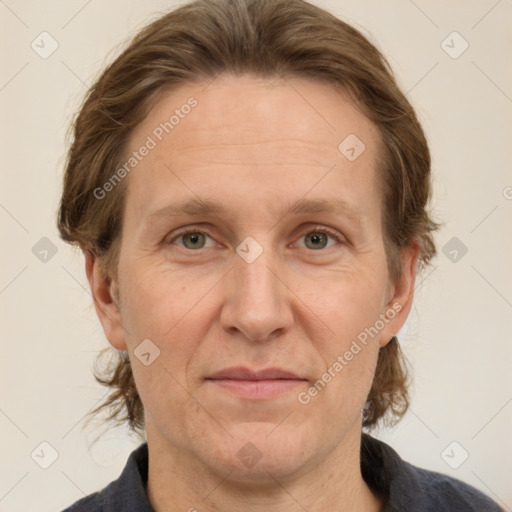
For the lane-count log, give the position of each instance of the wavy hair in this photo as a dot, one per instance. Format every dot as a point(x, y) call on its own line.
point(267, 38)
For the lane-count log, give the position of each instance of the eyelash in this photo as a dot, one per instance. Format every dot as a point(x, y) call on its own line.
point(316, 229)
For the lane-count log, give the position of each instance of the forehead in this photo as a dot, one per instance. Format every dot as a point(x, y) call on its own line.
point(254, 132)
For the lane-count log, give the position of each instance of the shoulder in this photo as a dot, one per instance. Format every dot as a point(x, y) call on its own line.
point(407, 487)
point(127, 493)
point(440, 493)
point(91, 503)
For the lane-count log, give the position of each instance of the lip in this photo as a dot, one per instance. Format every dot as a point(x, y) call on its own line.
point(242, 373)
point(256, 384)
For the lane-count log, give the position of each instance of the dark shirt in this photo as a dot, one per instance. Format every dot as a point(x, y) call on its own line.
point(404, 487)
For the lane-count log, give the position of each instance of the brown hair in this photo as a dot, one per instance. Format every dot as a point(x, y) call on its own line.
point(267, 38)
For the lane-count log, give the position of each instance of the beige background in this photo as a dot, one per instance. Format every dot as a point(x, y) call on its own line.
point(458, 336)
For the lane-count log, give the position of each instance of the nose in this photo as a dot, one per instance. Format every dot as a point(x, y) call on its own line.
point(257, 303)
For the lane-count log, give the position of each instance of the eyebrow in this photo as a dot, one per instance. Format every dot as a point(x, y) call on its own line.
point(197, 207)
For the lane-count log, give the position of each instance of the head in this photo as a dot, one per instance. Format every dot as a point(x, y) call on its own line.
point(276, 121)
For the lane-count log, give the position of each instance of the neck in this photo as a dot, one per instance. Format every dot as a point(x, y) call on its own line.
point(179, 481)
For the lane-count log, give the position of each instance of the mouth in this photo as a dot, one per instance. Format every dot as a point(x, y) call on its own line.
point(256, 385)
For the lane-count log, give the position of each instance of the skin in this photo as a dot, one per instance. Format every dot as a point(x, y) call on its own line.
point(256, 145)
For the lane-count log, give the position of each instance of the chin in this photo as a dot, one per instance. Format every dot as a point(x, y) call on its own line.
point(259, 452)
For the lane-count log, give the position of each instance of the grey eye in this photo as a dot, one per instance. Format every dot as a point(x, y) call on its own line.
point(194, 240)
point(316, 240)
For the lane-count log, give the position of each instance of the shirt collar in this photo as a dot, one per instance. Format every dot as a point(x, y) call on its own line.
point(381, 467)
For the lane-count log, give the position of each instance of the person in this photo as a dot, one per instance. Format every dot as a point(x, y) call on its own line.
point(250, 189)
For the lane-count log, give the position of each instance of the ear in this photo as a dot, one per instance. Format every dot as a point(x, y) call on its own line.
point(402, 293)
point(106, 300)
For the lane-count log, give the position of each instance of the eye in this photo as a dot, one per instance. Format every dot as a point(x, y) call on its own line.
point(319, 239)
point(193, 239)
point(316, 239)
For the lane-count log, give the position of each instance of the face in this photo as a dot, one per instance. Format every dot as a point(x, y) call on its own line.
point(252, 258)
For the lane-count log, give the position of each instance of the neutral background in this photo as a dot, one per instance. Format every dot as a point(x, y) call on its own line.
point(458, 337)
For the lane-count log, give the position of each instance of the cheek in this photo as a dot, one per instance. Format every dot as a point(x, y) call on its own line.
point(167, 401)
point(348, 359)
point(174, 311)
point(174, 314)
point(346, 303)
point(157, 302)
point(349, 308)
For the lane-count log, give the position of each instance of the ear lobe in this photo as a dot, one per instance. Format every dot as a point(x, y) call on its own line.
point(398, 308)
point(106, 302)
